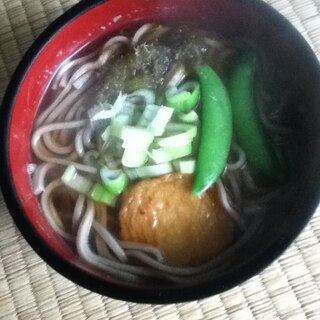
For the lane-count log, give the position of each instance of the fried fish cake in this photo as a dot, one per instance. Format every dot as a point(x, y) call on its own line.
point(189, 230)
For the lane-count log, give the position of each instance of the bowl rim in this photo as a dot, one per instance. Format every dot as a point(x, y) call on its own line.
point(71, 272)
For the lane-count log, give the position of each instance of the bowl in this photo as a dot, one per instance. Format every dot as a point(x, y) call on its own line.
point(89, 22)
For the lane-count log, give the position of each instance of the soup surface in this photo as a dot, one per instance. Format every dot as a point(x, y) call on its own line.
point(156, 153)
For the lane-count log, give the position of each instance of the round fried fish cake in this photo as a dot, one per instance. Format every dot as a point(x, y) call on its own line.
point(189, 230)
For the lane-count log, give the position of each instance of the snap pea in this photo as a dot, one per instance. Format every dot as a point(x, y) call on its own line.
point(247, 125)
point(216, 130)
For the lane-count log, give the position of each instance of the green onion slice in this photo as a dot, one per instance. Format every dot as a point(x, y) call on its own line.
point(119, 103)
point(72, 179)
point(118, 123)
point(148, 115)
point(167, 154)
point(114, 181)
point(189, 117)
point(176, 127)
point(147, 95)
point(100, 194)
point(159, 122)
point(179, 139)
point(105, 136)
point(183, 98)
point(136, 138)
point(149, 171)
point(186, 166)
point(133, 158)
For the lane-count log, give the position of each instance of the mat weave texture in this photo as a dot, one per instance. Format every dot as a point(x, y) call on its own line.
point(29, 289)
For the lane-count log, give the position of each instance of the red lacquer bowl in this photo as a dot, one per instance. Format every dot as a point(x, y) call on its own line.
point(91, 20)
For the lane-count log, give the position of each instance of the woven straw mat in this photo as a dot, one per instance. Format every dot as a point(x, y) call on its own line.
point(30, 289)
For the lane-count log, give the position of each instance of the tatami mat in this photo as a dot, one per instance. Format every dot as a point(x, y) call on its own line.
point(29, 289)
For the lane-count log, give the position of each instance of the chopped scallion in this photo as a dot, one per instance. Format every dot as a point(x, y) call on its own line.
point(186, 166)
point(161, 119)
point(175, 127)
point(133, 158)
point(119, 103)
point(113, 180)
point(184, 98)
point(147, 95)
point(105, 136)
point(72, 179)
point(136, 138)
point(149, 171)
point(167, 154)
point(118, 123)
point(175, 140)
point(190, 117)
point(148, 115)
point(100, 194)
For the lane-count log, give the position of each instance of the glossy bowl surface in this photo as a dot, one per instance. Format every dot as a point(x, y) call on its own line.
point(91, 21)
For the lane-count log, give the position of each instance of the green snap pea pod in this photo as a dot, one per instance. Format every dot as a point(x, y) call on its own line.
point(247, 124)
point(216, 130)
